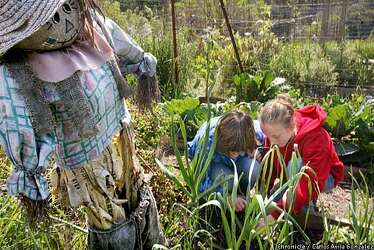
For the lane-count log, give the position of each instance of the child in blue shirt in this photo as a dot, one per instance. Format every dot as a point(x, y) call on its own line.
point(236, 141)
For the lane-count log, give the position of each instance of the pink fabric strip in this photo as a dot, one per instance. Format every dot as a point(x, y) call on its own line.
point(55, 66)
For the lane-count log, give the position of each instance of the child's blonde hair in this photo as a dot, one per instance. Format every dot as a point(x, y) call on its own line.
point(279, 110)
point(236, 133)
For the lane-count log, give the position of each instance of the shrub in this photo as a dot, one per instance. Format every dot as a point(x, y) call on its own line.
point(255, 54)
point(154, 36)
point(352, 61)
point(304, 63)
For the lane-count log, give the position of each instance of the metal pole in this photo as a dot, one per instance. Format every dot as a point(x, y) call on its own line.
point(175, 47)
point(231, 36)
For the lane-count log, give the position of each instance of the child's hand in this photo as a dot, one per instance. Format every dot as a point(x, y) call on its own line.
point(275, 187)
point(261, 222)
point(253, 154)
point(240, 204)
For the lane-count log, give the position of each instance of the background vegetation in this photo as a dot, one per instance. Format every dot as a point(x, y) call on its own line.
point(310, 71)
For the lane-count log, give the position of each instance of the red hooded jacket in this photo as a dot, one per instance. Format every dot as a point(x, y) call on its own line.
point(317, 151)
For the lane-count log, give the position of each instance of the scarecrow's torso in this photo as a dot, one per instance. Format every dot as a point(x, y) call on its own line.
point(30, 152)
point(71, 151)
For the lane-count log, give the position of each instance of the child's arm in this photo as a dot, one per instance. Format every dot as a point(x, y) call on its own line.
point(316, 155)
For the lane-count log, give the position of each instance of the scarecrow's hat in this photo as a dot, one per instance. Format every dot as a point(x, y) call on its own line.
point(21, 18)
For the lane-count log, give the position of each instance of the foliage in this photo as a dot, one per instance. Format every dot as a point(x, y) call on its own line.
point(366, 136)
point(260, 87)
point(255, 53)
point(207, 63)
point(304, 63)
point(154, 36)
point(192, 113)
point(349, 119)
point(148, 129)
point(191, 175)
point(187, 222)
point(251, 108)
point(16, 232)
point(192, 172)
point(244, 230)
point(195, 114)
point(361, 218)
point(352, 61)
point(180, 106)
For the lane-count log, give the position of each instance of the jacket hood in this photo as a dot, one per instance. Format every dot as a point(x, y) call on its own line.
point(309, 118)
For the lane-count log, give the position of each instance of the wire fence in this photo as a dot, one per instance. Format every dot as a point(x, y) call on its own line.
point(322, 20)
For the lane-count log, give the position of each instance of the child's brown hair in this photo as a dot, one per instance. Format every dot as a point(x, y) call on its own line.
point(236, 133)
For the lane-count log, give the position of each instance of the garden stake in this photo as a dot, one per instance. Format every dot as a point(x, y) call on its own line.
point(231, 36)
point(175, 49)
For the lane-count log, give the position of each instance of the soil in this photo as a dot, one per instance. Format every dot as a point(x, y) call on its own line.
point(337, 202)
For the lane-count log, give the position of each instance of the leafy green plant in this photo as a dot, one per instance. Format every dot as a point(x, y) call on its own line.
point(362, 219)
point(348, 119)
point(193, 113)
point(255, 52)
point(365, 126)
point(189, 218)
point(206, 62)
point(366, 136)
point(190, 176)
point(192, 172)
point(260, 87)
point(251, 108)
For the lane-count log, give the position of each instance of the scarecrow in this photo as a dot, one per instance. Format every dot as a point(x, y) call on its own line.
point(61, 101)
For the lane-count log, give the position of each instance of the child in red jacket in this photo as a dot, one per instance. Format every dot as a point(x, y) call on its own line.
point(285, 126)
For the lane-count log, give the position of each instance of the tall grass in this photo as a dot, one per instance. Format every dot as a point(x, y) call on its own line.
point(153, 34)
point(63, 230)
point(238, 230)
point(192, 172)
point(244, 230)
point(16, 233)
point(361, 214)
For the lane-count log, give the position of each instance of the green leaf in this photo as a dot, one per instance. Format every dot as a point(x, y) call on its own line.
point(337, 121)
point(171, 176)
point(237, 80)
point(369, 147)
point(179, 106)
point(366, 135)
point(343, 149)
point(267, 80)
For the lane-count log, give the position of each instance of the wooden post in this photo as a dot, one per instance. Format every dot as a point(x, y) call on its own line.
point(341, 27)
point(325, 22)
point(231, 36)
point(175, 47)
point(294, 16)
